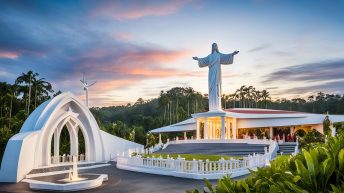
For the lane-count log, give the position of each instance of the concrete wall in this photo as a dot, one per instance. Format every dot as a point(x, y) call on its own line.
point(114, 146)
point(18, 159)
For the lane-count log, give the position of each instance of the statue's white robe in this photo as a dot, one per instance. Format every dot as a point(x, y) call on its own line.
point(214, 61)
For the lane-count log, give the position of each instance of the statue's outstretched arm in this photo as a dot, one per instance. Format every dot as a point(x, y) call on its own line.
point(202, 62)
point(227, 58)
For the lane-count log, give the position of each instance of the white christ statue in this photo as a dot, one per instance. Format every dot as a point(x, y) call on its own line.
point(214, 61)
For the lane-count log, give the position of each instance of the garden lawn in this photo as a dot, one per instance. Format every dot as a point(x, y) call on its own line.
point(195, 156)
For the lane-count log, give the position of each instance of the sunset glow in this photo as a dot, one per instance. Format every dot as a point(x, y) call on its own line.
point(136, 49)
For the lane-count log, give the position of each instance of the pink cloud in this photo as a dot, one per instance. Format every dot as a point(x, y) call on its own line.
point(148, 63)
point(9, 55)
point(123, 36)
point(139, 9)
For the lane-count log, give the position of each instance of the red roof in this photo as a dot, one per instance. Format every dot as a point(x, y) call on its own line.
point(259, 111)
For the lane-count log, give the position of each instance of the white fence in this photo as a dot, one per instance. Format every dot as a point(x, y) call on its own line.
point(196, 169)
point(65, 158)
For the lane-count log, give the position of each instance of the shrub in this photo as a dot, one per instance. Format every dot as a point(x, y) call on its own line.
point(319, 169)
point(311, 138)
point(300, 133)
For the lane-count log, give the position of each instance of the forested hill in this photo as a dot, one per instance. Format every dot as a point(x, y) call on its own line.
point(134, 121)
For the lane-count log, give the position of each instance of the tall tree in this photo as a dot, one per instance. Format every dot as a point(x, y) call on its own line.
point(265, 96)
point(27, 79)
point(42, 89)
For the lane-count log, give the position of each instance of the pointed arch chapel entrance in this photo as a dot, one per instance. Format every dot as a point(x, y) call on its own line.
point(71, 117)
point(38, 143)
point(73, 133)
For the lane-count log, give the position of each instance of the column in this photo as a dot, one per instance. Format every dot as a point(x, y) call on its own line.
point(198, 134)
point(291, 130)
point(210, 130)
point(223, 128)
point(160, 141)
point(206, 129)
point(185, 137)
point(234, 124)
point(228, 129)
point(214, 130)
point(56, 143)
point(271, 132)
point(76, 144)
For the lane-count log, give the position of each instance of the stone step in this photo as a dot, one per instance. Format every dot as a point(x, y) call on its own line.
point(61, 167)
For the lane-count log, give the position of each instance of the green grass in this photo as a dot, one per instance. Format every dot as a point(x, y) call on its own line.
point(194, 156)
point(285, 156)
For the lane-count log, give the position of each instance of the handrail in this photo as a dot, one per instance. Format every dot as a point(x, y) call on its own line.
point(195, 166)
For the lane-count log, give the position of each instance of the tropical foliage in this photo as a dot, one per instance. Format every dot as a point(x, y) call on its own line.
point(170, 107)
point(18, 100)
point(133, 121)
point(311, 138)
point(179, 103)
point(318, 170)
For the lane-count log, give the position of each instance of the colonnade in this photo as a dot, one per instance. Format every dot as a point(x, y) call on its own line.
point(224, 128)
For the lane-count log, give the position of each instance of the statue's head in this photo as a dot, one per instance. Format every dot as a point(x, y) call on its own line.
point(214, 48)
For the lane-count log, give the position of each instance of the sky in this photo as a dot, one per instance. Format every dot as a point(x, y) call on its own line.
point(135, 49)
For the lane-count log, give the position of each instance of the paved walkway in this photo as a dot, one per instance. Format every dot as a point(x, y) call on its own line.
point(121, 181)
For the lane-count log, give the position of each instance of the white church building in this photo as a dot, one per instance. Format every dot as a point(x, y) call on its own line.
point(238, 123)
point(32, 148)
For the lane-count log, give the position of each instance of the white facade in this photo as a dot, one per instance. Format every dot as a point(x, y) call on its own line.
point(31, 147)
point(225, 124)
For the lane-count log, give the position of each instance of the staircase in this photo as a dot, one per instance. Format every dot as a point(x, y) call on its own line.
point(229, 149)
point(287, 148)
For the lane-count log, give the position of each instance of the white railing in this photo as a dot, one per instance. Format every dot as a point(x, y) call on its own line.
point(153, 149)
point(65, 158)
point(273, 145)
point(197, 169)
point(296, 149)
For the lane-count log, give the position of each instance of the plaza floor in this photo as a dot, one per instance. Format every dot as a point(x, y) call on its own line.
point(121, 181)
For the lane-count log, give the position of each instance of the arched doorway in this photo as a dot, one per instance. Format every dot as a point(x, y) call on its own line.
point(68, 139)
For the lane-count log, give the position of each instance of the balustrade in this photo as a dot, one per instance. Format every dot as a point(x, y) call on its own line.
point(194, 166)
point(66, 158)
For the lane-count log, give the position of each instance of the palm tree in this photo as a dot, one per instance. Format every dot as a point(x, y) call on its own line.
point(249, 95)
point(11, 95)
point(241, 92)
point(27, 78)
point(265, 96)
point(163, 102)
point(225, 99)
point(189, 97)
point(257, 97)
point(42, 87)
point(233, 98)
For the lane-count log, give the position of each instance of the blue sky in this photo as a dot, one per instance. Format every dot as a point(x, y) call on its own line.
point(137, 48)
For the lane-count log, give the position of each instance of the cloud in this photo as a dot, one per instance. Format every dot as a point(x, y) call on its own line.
point(272, 88)
point(329, 87)
point(130, 10)
point(131, 62)
point(15, 40)
point(123, 36)
point(8, 55)
point(310, 72)
point(260, 48)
